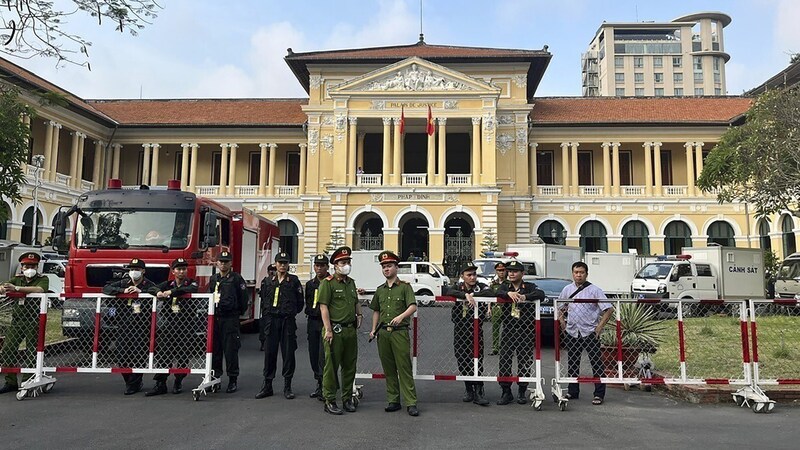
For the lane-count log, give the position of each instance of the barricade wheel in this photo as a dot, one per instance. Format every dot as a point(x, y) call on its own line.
point(360, 393)
point(770, 407)
point(758, 407)
point(48, 387)
point(215, 388)
point(537, 405)
point(738, 399)
point(355, 400)
point(195, 395)
point(21, 394)
point(562, 406)
point(555, 398)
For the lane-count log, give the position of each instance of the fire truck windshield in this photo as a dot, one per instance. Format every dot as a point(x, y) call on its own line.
point(123, 229)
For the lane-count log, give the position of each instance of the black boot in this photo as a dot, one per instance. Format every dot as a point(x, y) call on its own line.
point(523, 395)
point(331, 408)
point(158, 389)
point(8, 388)
point(266, 389)
point(177, 386)
point(506, 397)
point(232, 385)
point(287, 389)
point(349, 406)
point(318, 392)
point(479, 398)
point(469, 393)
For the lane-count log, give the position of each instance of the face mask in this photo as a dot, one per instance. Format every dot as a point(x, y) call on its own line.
point(29, 273)
point(344, 270)
point(135, 274)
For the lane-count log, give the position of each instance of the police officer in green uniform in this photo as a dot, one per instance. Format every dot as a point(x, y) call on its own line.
point(131, 319)
point(497, 310)
point(24, 317)
point(341, 317)
point(230, 298)
point(281, 300)
point(314, 326)
point(519, 330)
point(176, 328)
point(392, 306)
point(462, 316)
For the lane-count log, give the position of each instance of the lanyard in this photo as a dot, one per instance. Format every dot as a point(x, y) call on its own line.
point(275, 300)
point(316, 297)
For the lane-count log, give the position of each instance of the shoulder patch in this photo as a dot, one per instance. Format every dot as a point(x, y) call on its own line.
point(329, 277)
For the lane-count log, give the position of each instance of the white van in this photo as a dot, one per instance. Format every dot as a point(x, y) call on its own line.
point(787, 281)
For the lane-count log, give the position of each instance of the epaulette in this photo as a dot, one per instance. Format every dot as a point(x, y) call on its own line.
point(329, 278)
point(399, 281)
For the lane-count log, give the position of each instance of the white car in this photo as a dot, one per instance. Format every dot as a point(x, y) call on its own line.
point(427, 279)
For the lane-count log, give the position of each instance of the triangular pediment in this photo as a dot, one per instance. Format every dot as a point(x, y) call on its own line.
point(413, 75)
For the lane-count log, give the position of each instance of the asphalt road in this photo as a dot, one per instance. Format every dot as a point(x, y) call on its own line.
point(89, 411)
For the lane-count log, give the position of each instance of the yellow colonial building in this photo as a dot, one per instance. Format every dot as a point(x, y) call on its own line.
point(356, 155)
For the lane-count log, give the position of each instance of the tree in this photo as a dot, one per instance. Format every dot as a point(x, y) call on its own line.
point(489, 243)
point(33, 28)
point(336, 241)
point(758, 162)
point(14, 137)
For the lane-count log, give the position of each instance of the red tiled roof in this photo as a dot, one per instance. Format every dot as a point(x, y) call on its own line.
point(633, 110)
point(37, 82)
point(205, 112)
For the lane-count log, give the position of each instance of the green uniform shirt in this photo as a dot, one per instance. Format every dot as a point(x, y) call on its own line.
point(39, 280)
point(392, 301)
point(340, 297)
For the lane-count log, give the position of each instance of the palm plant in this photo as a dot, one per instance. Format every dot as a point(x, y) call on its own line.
point(640, 328)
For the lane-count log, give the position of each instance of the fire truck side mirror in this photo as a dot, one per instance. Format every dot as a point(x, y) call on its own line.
point(59, 233)
point(210, 238)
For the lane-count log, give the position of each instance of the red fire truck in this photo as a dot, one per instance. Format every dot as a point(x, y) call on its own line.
point(109, 227)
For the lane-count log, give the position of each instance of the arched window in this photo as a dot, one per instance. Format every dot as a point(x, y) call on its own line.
point(27, 226)
point(763, 235)
point(787, 229)
point(721, 232)
point(676, 236)
point(5, 217)
point(552, 232)
point(593, 237)
point(635, 235)
point(288, 239)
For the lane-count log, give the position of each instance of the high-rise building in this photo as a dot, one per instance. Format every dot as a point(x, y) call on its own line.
point(685, 57)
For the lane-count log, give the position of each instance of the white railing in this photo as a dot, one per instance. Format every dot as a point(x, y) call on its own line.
point(591, 191)
point(712, 191)
point(86, 185)
point(368, 179)
point(631, 191)
point(287, 191)
point(675, 191)
point(246, 191)
point(31, 171)
point(459, 179)
point(414, 179)
point(207, 191)
point(62, 179)
point(550, 191)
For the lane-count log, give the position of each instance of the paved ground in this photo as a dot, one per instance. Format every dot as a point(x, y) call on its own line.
point(89, 411)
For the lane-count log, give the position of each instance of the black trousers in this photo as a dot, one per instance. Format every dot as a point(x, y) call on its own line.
point(226, 343)
point(316, 354)
point(516, 340)
point(132, 339)
point(174, 342)
point(575, 348)
point(463, 349)
point(281, 333)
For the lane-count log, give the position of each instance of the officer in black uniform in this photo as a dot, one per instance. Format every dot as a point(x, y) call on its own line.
point(281, 300)
point(176, 327)
point(230, 297)
point(519, 329)
point(131, 320)
point(316, 354)
point(271, 271)
point(462, 316)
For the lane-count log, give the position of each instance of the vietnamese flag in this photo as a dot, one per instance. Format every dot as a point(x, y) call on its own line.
point(402, 121)
point(430, 127)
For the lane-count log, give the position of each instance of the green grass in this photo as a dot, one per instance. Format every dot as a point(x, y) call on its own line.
point(52, 332)
point(714, 348)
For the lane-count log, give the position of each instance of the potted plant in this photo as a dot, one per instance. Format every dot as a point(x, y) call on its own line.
point(642, 332)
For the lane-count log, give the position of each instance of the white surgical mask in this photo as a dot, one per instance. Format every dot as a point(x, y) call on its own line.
point(29, 273)
point(135, 274)
point(344, 270)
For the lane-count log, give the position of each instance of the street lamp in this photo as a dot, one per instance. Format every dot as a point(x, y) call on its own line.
point(559, 237)
point(38, 161)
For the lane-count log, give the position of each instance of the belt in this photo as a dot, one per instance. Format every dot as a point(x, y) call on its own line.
point(391, 328)
point(337, 327)
point(314, 317)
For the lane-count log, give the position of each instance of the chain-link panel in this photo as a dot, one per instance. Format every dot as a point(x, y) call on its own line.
point(517, 343)
point(368, 363)
point(582, 353)
point(19, 329)
point(443, 342)
point(776, 335)
point(75, 325)
point(180, 337)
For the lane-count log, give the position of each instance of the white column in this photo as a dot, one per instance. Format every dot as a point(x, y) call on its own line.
point(48, 148)
point(303, 163)
point(154, 170)
point(81, 145)
point(387, 149)
point(145, 165)
point(442, 151)
point(272, 158)
point(397, 153)
point(262, 175)
point(232, 170)
point(689, 169)
point(115, 161)
point(476, 151)
point(574, 165)
point(54, 152)
point(185, 166)
point(360, 152)
point(533, 177)
point(615, 167)
point(193, 169)
point(73, 160)
point(648, 169)
point(351, 150)
point(698, 153)
point(657, 158)
point(223, 170)
point(98, 161)
point(606, 169)
point(565, 184)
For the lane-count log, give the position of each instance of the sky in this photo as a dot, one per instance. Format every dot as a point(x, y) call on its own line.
point(235, 48)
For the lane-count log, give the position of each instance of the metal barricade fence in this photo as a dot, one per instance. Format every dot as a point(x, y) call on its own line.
point(126, 334)
point(449, 342)
point(654, 341)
